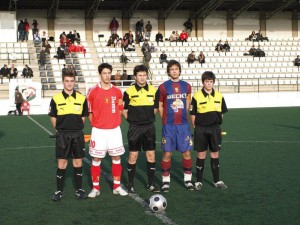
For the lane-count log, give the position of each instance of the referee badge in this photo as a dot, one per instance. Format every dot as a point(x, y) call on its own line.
point(163, 141)
point(77, 107)
point(150, 99)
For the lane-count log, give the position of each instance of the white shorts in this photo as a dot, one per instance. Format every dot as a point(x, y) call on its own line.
point(106, 140)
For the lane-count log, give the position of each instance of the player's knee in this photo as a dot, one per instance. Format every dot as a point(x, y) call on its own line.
point(214, 155)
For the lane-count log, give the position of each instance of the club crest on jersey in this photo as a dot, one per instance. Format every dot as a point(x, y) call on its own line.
point(177, 104)
point(106, 99)
point(163, 141)
point(176, 89)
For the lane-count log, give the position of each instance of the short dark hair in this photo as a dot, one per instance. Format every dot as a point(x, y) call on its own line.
point(104, 66)
point(208, 75)
point(68, 74)
point(172, 63)
point(140, 68)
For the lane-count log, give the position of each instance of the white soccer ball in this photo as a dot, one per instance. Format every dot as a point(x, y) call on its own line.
point(157, 203)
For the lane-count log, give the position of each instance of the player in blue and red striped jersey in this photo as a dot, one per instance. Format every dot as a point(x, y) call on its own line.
point(174, 102)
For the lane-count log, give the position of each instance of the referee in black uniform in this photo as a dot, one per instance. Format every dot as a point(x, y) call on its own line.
point(67, 112)
point(140, 106)
point(207, 109)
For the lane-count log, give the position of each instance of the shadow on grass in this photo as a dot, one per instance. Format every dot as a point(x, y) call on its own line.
point(287, 126)
point(2, 134)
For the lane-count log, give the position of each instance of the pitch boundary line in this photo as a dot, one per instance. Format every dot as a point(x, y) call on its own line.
point(160, 216)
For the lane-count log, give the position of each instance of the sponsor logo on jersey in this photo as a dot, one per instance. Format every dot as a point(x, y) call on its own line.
point(176, 96)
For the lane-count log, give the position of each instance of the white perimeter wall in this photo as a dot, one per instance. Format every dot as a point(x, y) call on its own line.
point(8, 27)
point(279, 26)
point(68, 21)
point(245, 24)
point(215, 25)
point(175, 22)
point(34, 14)
point(101, 24)
point(237, 100)
point(146, 16)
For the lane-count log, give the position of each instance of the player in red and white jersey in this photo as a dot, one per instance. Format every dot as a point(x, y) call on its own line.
point(105, 107)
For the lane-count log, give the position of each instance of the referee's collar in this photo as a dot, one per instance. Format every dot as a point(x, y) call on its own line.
point(206, 94)
point(66, 95)
point(137, 87)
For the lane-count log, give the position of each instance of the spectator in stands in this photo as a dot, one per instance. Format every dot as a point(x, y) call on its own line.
point(252, 51)
point(219, 46)
point(124, 43)
point(44, 37)
point(130, 47)
point(124, 75)
point(72, 70)
point(260, 37)
point(64, 70)
point(152, 48)
point(47, 47)
point(27, 72)
point(201, 58)
point(26, 29)
point(124, 58)
point(13, 72)
point(4, 72)
point(139, 26)
point(36, 38)
point(117, 78)
point(139, 37)
point(259, 52)
point(110, 42)
point(148, 28)
point(76, 36)
point(159, 37)
point(62, 34)
point(226, 46)
point(64, 41)
point(43, 56)
point(114, 37)
point(191, 58)
point(188, 26)
point(35, 27)
point(129, 35)
point(118, 42)
point(60, 54)
point(71, 36)
point(173, 36)
point(130, 41)
point(183, 36)
point(114, 25)
point(147, 58)
point(146, 46)
point(252, 36)
point(163, 58)
point(297, 61)
point(21, 30)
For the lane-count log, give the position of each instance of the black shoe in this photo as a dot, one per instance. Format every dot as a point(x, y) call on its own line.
point(130, 190)
point(152, 188)
point(57, 196)
point(80, 194)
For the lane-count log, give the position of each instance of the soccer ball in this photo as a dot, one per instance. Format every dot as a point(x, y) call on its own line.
point(157, 203)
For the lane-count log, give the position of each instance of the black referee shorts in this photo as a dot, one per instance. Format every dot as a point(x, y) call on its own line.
point(70, 144)
point(207, 138)
point(141, 137)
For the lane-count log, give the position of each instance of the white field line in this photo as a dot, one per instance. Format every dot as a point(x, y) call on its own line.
point(160, 216)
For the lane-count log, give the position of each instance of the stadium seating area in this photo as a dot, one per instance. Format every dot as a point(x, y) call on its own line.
point(235, 72)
